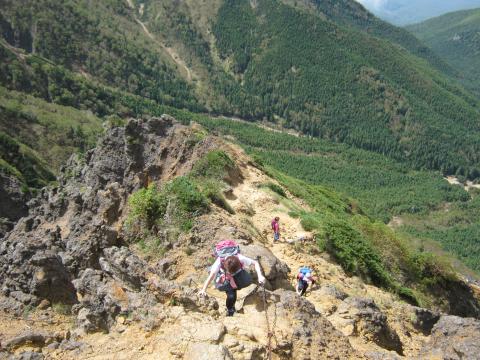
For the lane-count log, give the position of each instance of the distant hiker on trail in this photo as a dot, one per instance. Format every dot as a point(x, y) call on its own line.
point(304, 278)
point(229, 272)
point(276, 229)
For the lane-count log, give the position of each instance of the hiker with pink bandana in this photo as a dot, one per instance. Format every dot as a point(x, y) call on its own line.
point(229, 272)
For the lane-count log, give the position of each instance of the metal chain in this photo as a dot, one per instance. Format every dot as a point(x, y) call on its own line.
point(270, 331)
point(274, 326)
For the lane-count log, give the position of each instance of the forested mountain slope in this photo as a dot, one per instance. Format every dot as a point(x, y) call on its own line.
point(456, 38)
point(98, 39)
point(308, 70)
point(339, 83)
point(350, 13)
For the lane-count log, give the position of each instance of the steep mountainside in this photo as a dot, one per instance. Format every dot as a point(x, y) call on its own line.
point(456, 38)
point(351, 13)
point(36, 139)
point(338, 83)
point(100, 40)
point(108, 264)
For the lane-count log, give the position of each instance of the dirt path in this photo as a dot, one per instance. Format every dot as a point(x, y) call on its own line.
point(170, 51)
point(297, 247)
point(253, 198)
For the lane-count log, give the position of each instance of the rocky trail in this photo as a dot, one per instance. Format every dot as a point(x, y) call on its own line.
point(69, 255)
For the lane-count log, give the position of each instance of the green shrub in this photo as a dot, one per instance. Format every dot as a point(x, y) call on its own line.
point(152, 246)
point(355, 254)
point(257, 161)
point(294, 214)
point(310, 221)
point(215, 165)
point(186, 196)
point(321, 243)
point(408, 295)
point(147, 206)
point(209, 173)
point(157, 217)
point(212, 189)
point(62, 309)
point(430, 270)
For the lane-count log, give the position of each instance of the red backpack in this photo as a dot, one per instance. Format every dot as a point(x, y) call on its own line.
point(222, 250)
point(226, 248)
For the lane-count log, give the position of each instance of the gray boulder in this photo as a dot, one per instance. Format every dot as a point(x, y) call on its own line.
point(275, 271)
point(313, 336)
point(454, 338)
point(362, 317)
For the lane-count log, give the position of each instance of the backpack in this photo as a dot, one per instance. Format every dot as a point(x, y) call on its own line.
point(225, 281)
point(226, 248)
point(304, 270)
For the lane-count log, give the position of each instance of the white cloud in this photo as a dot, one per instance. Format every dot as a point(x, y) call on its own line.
point(374, 4)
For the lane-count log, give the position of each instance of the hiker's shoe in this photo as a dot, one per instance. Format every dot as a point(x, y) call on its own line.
point(230, 312)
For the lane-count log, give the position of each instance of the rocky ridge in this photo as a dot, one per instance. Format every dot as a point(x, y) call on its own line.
point(71, 251)
point(13, 205)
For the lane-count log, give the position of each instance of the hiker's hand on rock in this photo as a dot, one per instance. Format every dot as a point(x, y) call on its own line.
point(202, 293)
point(261, 280)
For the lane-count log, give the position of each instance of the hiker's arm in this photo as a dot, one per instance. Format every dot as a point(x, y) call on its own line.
point(213, 272)
point(261, 278)
point(207, 282)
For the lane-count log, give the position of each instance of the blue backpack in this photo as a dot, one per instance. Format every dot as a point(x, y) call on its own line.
point(303, 271)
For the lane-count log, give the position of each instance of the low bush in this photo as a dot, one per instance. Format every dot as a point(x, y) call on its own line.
point(147, 206)
point(355, 253)
point(212, 189)
point(214, 165)
point(158, 216)
point(186, 196)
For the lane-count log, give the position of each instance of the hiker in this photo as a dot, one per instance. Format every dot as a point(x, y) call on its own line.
point(304, 278)
point(276, 229)
point(229, 272)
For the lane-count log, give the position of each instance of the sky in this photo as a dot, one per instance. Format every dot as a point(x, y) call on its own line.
point(403, 12)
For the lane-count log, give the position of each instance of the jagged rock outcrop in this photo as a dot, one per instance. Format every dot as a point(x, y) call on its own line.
point(462, 300)
point(13, 204)
point(69, 249)
point(425, 319)
point(313, 336)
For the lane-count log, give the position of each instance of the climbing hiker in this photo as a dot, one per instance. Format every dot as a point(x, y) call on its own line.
point(304, 279)
point(229, 272)
point(276, 229)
